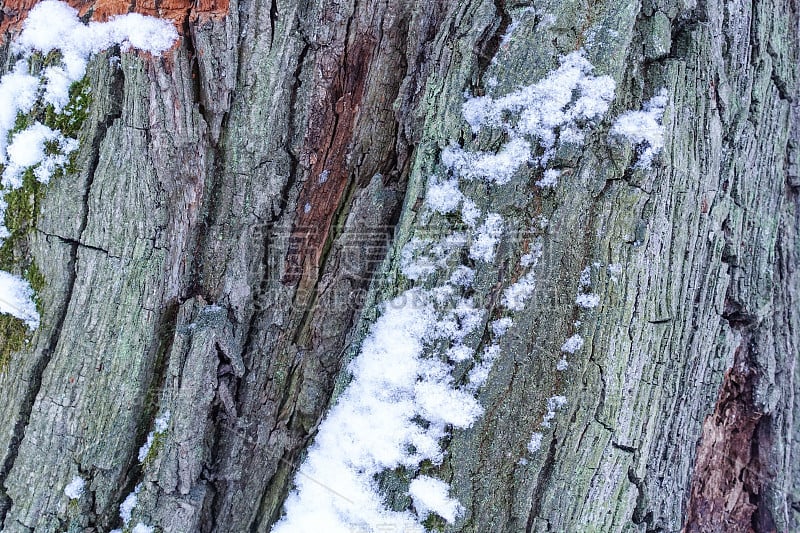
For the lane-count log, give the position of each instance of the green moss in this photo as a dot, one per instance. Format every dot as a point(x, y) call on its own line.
point(24, 204)
point(20, 123)
point(13, 333)
point(427, 468)
point(155, 448)
point(70, 120)
point(23, 208)
point(38, 61)
point(21, 214)
point(37, 281)
point(434, 522)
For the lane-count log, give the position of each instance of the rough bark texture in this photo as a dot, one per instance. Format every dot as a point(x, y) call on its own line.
point(236, 217)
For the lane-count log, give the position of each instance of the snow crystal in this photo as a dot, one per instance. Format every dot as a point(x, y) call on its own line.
point(160, 427)
point(52, 161)
point(535, 443)
point(470, 213)
point(462, 276)
point(546, 107)
point(554, 403)
point(550, 178)
point(506, 39)
point(480, 372)
point(420, 258)
point(488, 235)
point(126, 508)
point(573, 344)
point(430, 495)
point(501, 325)
point(460, 353)
point(444, 196)
point(643, 128)
point(515, 296)
point(497, 168)
point(460, 321)
point(587, 301)
point(586, 277)
point(16, 299)
point(75, 488)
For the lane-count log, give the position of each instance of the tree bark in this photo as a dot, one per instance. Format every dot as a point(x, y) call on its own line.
point(236, 215)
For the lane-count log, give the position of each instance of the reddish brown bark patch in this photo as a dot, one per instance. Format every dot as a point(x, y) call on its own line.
point(727, 478)
point(13, 12)
point(331, 129)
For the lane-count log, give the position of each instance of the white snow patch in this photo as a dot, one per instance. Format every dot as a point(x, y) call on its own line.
point(430, 495)
point(535, 443)
point(27, 149)
point(160, 427)
point(554, 404)
point(462, 276)
point(643, 128)
point(497, 168)
point(142, 528)
point(470, 213)
point(480, 372)
point(486, 239)
point(550, 178)
point(563, 103)
point(501, 325)
point(54, 25)
point(572, 344)
point(587, 301)
point(126, 508)
point(421, 257)
point(515, 296)
point(444, 196)
point(460, 352)
point(586, 277)
point(372, 427)
point(74, 489)
point(16, 299)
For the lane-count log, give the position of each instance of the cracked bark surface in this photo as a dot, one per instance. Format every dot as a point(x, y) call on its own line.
point(220, 251)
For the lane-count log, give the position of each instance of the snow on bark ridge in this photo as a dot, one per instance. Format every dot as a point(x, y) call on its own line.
point(403, 400)
point(559, 108)
point(16, 298)
point(75, 488)
point(53, 25)
point(643, 128)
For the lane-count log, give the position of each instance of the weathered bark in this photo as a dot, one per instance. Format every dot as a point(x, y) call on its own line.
point(219, 253)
